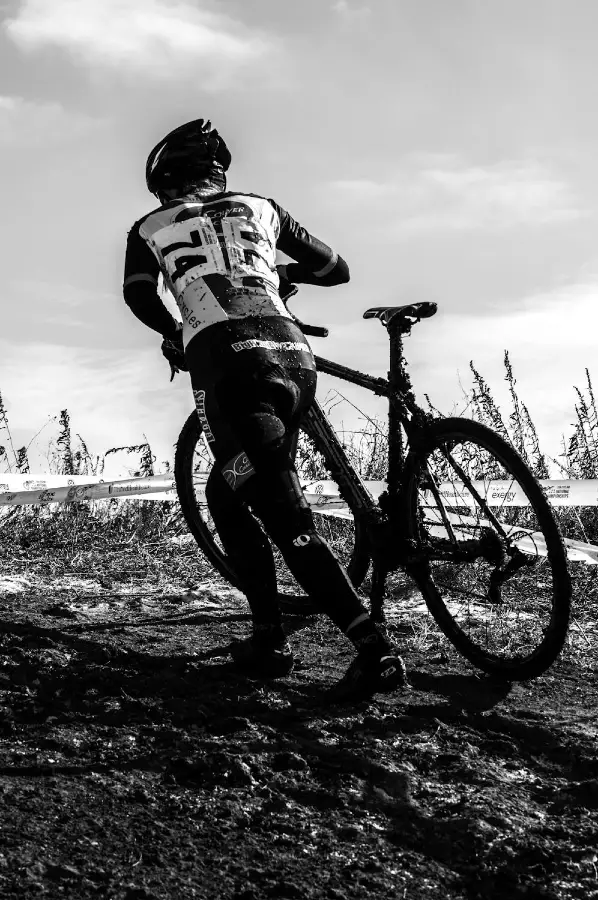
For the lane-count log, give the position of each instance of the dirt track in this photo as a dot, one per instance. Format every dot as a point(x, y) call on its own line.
point(136, 763)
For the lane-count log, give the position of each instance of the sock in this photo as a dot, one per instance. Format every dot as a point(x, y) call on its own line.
point(366, 638)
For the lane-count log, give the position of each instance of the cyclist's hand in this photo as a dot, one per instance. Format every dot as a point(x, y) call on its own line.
point(286, 289)
point(172, 349)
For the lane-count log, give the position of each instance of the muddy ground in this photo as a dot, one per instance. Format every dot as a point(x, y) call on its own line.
point(136, 763)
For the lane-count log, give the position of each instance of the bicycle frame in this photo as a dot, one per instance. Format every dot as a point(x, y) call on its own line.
point(403, 414)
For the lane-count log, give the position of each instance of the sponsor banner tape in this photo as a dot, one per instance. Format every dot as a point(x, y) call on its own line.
point(573, 492)
point(324, 499)
point(43, 489)
point(322, 496)
point(528, 541)
point(16, 489)
point(33, 489)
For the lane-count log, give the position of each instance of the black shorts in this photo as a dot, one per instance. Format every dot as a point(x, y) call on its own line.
point(252, 383)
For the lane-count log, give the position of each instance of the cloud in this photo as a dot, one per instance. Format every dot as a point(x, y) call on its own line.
point(458, 197)
point(351, 14)
point(161, 38)
point(26, 123)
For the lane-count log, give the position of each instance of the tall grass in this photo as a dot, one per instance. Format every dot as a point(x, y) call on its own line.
point(68, 454)
point(66, 526)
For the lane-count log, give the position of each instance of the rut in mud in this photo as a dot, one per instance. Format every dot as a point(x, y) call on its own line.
point(136, 763)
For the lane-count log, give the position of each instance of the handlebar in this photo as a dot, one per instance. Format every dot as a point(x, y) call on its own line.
point(312, 330)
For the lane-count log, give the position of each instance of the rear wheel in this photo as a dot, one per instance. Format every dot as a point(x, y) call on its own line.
point(494, 569)
point(192, 465)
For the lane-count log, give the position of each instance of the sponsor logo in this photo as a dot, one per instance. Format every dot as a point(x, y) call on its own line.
point(71, 493)
point(128, 488)
point(255, 344)
point(302, 540)
point(10, 496)
point(219, 214)
point(46, 496)
point(200, 406)
point(34, 485)
point(187, 313)
point(368, 639)
point(330, 502)
point(224, 208)
point(561, 491)
point(507, 496)
point(4, 487)
point(237, 471)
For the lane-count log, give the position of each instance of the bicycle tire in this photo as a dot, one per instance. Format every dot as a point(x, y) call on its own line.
point(190, 438)
point(544, 619)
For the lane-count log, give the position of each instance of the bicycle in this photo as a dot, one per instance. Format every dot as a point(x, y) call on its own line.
point(493, 574)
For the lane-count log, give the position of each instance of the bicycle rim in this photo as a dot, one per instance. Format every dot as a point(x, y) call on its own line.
point(193, 463)
point(495, 574)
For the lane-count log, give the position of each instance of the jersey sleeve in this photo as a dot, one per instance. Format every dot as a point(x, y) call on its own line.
point(140, 287)
point(140, 262)
point(315, 261)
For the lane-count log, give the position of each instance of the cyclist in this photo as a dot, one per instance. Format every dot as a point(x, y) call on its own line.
point(253, 376)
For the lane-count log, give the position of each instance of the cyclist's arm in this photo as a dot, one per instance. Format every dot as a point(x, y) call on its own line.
point(140, 287)
point(316, 262)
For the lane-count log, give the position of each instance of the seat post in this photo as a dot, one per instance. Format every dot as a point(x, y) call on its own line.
point(398, 321)
point(398, 382)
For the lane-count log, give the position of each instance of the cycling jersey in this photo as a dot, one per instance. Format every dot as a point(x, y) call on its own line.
point(218, 258)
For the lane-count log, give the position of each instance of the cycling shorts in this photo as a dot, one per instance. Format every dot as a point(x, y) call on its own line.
point(252, 382)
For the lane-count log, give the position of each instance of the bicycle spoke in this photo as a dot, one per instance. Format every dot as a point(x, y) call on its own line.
point(495, 569)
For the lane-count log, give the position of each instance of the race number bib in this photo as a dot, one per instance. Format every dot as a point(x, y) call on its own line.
point(203, 245)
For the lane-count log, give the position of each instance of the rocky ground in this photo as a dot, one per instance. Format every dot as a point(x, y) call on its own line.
point(136, 763)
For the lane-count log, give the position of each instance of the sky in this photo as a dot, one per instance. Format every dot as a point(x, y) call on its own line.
point(446, 150)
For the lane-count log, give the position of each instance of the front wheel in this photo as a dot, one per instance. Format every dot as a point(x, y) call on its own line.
point(493, 568)
point(346, 536)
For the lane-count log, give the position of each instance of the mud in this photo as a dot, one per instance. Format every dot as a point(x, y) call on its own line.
point(135, 762)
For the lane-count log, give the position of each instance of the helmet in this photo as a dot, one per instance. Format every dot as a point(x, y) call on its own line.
point(192, 152)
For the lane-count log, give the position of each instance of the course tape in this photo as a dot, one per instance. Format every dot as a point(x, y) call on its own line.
point(25, 490)
point(17, 489)
point(573, 492)
point(528, 541)
point(322, 496)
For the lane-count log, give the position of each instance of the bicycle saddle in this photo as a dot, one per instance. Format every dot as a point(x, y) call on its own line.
point(388, 314)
